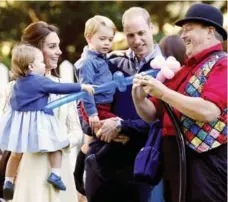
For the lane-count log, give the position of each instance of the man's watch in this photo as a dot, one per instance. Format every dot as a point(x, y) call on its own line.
point(118, 128)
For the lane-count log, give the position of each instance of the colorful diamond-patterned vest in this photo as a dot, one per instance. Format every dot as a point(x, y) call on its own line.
point(201, 136)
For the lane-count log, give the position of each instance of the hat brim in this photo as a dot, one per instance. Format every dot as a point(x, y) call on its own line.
point(218, 27)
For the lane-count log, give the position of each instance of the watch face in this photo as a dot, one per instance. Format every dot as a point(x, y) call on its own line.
point(118, 128)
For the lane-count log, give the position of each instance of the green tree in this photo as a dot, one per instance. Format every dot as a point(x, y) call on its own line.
point(70, 18)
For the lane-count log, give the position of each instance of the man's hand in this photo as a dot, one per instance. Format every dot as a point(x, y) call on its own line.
point(108, 131)
point(116, 53)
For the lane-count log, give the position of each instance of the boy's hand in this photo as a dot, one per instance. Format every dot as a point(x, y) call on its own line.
point(94, 123)
point(89, 88)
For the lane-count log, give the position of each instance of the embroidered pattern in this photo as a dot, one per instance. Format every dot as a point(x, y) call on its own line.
point(201, 136)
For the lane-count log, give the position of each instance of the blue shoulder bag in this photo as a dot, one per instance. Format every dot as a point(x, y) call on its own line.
point(147, 167)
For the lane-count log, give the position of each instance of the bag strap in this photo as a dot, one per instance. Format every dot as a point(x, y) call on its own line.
point(154, 135)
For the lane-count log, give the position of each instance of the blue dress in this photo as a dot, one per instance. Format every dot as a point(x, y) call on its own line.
point(26, 127)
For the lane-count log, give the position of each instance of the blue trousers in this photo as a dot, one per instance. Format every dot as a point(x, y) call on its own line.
point(157, 193)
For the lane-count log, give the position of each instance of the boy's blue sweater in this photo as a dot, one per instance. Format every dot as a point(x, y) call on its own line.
point(92, 68)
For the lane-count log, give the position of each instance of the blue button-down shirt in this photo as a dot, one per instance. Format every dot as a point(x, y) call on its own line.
point(92, 68)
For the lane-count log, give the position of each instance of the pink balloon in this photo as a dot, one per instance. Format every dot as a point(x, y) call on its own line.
point(168, 73)
point(157, 62)
point(173, 64)
point(160, 77)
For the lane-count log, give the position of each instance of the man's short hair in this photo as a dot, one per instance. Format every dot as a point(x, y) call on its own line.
point(137, 11)
point(93, 24)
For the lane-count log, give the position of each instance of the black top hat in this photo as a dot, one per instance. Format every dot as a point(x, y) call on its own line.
point(205, 14)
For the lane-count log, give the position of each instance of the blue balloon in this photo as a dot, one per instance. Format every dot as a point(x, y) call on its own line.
point(119, 81)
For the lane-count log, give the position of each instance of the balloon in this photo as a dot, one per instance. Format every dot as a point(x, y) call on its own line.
point(119, 81)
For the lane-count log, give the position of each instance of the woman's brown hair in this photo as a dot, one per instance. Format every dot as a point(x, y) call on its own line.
point(35, 33)
point(174, 46)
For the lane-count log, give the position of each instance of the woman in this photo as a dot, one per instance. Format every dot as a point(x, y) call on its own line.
point(32, 174)
point(173, 45)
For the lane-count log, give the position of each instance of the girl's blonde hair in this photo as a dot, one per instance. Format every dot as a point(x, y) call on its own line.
point(22, 56)
point(93, 24)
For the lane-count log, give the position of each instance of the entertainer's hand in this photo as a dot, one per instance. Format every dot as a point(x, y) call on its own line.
point(88, 88)
point(108, 131)
point(153, 87)
point(138, 92)
point(94, 123)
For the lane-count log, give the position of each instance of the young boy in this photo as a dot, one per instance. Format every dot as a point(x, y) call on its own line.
point(92, 68)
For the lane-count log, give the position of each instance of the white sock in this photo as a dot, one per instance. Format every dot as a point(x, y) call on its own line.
point(11, 179)
point(56, 171)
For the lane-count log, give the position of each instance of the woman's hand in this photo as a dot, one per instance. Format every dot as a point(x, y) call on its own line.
point(108, 131)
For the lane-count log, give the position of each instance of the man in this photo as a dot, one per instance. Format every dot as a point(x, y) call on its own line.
point(117, 167)
point(198, 94)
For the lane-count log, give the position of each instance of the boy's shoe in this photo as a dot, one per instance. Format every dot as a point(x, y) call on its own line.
point(8, 190)
point(56, 181)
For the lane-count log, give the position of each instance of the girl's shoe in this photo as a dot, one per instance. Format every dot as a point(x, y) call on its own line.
point(56, 181)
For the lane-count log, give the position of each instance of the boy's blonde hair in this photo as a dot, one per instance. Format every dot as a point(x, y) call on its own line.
point(22, 56)
point(93, 24)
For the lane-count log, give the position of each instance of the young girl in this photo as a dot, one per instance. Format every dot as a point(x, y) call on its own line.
point(27, 128)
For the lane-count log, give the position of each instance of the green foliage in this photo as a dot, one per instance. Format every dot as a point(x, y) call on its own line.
point(70, 18)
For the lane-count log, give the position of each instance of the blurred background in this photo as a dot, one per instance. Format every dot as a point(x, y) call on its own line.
point(70, 17)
